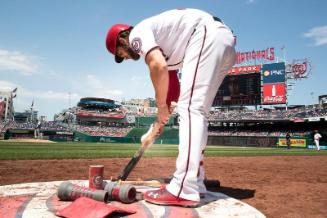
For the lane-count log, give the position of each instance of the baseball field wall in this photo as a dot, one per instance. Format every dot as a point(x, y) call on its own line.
point(147, 121)
point(53, 135)
point(258, 141)
point(80, 136)
point(169, 136)
point(250, 141)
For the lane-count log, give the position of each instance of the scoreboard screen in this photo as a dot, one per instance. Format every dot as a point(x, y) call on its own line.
point(241, 89)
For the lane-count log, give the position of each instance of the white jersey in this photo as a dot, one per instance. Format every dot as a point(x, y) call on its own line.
point(170, 31)
point(317, 136)
point(190, 39)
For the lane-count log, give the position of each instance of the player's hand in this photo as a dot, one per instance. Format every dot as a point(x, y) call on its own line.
point(163, 115)
point(172, 106)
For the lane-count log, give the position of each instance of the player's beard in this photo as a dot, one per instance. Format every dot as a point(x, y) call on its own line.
point(135, 56)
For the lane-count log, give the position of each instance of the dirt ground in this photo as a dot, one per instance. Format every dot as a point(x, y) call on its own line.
point(286, 187)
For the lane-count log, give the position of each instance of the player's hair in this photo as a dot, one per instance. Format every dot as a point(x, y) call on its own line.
point(123, 34)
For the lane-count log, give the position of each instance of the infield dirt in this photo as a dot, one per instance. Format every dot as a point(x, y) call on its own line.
point(281, 186)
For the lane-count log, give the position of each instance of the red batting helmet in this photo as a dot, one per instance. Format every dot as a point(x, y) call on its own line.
point(111, 40)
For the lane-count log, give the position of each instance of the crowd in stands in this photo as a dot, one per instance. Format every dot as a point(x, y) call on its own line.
point(117, 110)
point(312, 112)
point(2, 126)
point(117, 131)
point(246, 114)
point(257, 133)
point(264, 114)
point(52, 125)
point(15, 125)
point(103, 130)
point(121, 130)
point(249, 115)
point(46, 126)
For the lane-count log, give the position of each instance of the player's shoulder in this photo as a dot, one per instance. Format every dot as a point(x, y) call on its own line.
point(141, 26)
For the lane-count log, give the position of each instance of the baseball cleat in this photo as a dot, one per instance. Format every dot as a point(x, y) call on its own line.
point(163, 197)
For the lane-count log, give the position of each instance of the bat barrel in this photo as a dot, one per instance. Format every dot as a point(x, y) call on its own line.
point(131, 165)
point(122, 193)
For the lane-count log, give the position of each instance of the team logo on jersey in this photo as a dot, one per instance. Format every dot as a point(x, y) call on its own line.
point(137, 44)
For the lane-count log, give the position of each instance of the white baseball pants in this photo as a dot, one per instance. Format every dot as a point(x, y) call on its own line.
point(209, 56)
point(317, 144)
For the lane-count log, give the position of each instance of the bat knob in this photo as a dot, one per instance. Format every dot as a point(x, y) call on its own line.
point(122, 193)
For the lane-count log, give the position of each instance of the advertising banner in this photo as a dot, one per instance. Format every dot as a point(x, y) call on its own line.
point(314, 119)
point(130, 119)
point(294, 142)
point(298, 120)
point(273, 73)
point(322, 147)
point(274, 93)
point(245, 69)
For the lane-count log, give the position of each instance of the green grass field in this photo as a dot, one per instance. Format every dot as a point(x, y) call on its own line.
point(74, 150)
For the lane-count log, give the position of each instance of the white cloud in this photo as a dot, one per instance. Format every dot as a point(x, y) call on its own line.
point(93, 83)
point(50, 95)
point(17, 61)
point(250, 1)
point(98, 88)
point(49, 101)
point(318, 34)
point(139, 80)
point(7, 86)
point(37, 94)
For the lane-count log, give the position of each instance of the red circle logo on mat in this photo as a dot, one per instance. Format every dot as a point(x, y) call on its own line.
point(137, 44)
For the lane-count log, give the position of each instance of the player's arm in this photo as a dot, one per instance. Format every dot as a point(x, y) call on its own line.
point(160, 80)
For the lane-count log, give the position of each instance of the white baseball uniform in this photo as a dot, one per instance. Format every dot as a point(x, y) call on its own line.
point(203, 48)
point(316, 138)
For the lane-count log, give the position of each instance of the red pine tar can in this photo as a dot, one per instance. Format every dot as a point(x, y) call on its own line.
point(96, 176)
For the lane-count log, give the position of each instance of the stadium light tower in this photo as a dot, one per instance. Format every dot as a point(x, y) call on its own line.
point(312, 96)
point(283, 48)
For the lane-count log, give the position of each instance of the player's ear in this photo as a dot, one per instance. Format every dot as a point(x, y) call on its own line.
point(123, 41)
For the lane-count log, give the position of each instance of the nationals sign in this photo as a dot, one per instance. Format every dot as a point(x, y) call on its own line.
point(299, 69)
point(268, 54)
point(274, 93)
point(245, 69)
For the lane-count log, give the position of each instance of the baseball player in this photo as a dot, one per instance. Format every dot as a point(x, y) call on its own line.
point(317, 138)
point(288, 140)
point(202, 47)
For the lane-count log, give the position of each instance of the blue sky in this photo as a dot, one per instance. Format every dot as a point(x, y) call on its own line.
point(54, 51)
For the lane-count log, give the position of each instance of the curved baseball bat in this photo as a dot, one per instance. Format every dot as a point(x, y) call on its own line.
point(154, 131)
point(147, 140)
